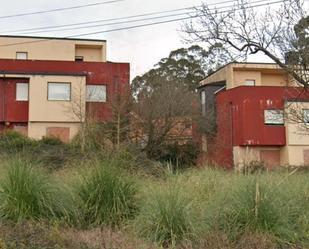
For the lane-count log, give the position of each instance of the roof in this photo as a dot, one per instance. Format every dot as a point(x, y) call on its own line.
point(52, 38)
point(240, 65)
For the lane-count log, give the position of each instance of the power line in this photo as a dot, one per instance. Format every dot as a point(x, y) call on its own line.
point(60, 9)
point(141, 25)
point(115, 19)
point(49, 28)
point(168, 21)
point(108, 24)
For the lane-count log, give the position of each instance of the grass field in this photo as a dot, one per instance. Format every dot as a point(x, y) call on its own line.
point(117, 202)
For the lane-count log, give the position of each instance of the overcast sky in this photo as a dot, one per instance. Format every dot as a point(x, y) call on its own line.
point(142, 47)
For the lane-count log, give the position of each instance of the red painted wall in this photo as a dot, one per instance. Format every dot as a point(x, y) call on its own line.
point(240, 119)
point(10, 109)
point(114, 75)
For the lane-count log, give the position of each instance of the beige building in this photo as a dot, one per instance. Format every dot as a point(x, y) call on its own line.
point(41, 48)
point(47, 84)
point(261, 115)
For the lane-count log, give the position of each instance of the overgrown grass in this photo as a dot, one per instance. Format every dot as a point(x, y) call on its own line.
point(106, 195)
point(197, 208)
point(167, 215)
point(26, 192)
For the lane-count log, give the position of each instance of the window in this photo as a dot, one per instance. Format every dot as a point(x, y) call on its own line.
point(22, 91)
point(306, 116)
point(250, 82)
point(273, 117)
point(203, 100)
point(203, 97)
point(96, 93)
point(21, 55)
point(79, 58)
point(59, 91)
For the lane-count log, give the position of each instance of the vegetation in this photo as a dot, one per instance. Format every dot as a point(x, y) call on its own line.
point(106, 196)
point(112, 201)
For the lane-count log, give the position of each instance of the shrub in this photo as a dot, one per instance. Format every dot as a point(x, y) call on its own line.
point(166, 216)
point(107, 197)
point(27, 193)
point(12, 141)
point(50, 141)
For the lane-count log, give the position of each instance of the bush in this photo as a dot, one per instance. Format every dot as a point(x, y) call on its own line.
point(107, 197)
point(180, 155)
point(12, 142)
point(27, 193)
point(166, 216)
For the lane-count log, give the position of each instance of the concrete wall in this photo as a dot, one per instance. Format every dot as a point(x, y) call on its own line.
point(297, 135)
point(42, 109)
point(270, 155)
point(235, 74)
point(38, 130)
point(93, 54)
point(52, 49)
point(223, 74)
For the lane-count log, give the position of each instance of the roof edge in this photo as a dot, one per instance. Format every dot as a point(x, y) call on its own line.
point(52, 38)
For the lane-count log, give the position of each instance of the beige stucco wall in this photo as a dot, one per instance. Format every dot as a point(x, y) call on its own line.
point(297, 134)
point(223, 74)
point(236, 74)
point(37, 130)
point(245, 155)
point(44, 49)
point(272, 79)
point(44, 110)
point(90, 53)
point(241, 76)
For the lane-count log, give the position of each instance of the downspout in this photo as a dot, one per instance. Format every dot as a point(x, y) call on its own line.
point(3, 98)
point(232, 131)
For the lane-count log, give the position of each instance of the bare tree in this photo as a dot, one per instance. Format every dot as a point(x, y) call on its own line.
point(161, 114)
point(121, 105)
point(279, 30)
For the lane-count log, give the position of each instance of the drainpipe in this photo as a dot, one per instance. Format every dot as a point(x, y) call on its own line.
point(3, 98)
point(232, 129)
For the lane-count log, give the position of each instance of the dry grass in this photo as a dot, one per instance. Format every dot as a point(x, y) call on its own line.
point(106, 239)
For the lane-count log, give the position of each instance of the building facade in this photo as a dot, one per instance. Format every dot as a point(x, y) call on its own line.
point(48, 86)
point(252, 106)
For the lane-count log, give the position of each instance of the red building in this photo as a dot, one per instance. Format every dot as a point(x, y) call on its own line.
point(249, 106)
point(49, 85)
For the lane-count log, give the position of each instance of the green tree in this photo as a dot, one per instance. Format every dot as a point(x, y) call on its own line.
point(166, 99)
point(184, 66)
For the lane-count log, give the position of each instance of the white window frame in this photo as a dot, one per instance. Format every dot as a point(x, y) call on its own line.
point(270, 119)
point(21, 55)
point(25, 96)
point(50, 98)
point(92, 97)
point(249, 82)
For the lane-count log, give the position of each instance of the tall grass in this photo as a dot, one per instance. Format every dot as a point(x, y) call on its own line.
point(106, 195)
point(166, 215)
point(28, 193)
point(262, 204)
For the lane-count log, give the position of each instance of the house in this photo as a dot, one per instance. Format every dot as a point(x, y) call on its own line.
point(251, 107)
point(48, 86)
